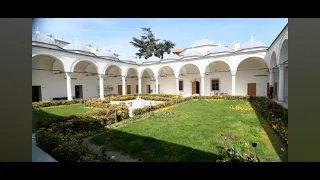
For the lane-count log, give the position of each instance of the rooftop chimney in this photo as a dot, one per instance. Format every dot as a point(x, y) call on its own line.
point(236, 45)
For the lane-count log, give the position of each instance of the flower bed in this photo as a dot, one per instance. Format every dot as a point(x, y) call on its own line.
point(62, 140)
point(61, 137)
point(151, 97)
point(232, 152)
point(276, 115)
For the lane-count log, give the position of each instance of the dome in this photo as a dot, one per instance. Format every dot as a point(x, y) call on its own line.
point(204, 42)
point(219, 49)
point(77, 47)
point(38, 37)
point(252, 44)
point(170, 56)
point(191, 53)
point(106, 53)
point(153, 58)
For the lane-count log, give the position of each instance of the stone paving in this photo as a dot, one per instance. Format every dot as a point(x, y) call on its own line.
point(38, 155)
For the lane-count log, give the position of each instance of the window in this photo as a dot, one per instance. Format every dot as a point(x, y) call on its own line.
point(180, 85)
point(214, 84)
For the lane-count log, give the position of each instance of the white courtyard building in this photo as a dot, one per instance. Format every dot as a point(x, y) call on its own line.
point(62, 70)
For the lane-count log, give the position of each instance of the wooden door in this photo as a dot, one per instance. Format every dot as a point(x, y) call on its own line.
point(137, 89)
point(119, 89)
point(267, 89)
point(128, 89)
point(275, 89)
point(252, 89)
point(194, 87)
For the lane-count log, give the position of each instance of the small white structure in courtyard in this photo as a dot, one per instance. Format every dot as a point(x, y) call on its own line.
point(138, 103)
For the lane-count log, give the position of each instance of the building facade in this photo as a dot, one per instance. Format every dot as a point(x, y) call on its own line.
point(62, 70)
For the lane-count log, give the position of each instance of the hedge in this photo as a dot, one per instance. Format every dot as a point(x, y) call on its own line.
point(42, 104)
point(152, 97)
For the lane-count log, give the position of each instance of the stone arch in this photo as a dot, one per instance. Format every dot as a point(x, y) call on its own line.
point(283, 50)
point(94, 63)
point(165, 66)
point(218, 60)
point(52, 55)
point(273, 60)
point(131, 68)
point(189, 63)
point(110, 66)
point(235, 66)
point(144, 69)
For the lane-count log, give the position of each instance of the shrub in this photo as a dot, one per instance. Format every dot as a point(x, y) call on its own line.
point(47, 140)
point(41, 104)
point(97, 103)
point(69, 151)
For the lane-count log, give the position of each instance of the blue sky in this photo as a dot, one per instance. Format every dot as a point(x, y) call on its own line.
point(115, 34)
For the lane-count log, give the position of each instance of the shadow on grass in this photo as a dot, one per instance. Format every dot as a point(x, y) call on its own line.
point(148, 149)
point(276, 141)
point(40, 115)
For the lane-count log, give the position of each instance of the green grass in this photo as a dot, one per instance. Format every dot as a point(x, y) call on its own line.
point(50, 113)
point(191, 132)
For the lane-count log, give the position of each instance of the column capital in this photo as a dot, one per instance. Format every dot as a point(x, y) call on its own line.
point(176, 76)
point(102, 75)
point(233, 73)
point(271, 70)
point(124, 76)
point(68, 73)
point(139, 77)
point(202, 74)
point(281, 67)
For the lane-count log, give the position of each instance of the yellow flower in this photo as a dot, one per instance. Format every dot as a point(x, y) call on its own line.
point(274, 126)
point(282, 149)
point(246, 145)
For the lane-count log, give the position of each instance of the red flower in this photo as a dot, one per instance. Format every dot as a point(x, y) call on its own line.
point(107, 140)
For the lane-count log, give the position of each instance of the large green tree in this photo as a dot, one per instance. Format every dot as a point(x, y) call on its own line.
point(147, 44)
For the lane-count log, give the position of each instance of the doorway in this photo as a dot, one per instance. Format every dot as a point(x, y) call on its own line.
point(148, 89)
point(36, 93)
point(275, 90)
point(78, 91)
point(137, 89)
point(119, 89)
point(252, 89)
point(195, 87)
point(128, 89)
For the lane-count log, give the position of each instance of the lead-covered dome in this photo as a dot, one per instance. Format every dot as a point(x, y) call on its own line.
point(204, 42)
point(192, 53)
point(38, 37)
point(251, 44)
point(219, 49)
point(78, 47)
point(106, 53)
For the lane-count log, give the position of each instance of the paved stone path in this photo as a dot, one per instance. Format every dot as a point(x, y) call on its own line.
point(38, 155)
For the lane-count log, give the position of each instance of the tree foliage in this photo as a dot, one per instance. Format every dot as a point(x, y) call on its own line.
point(148, 44)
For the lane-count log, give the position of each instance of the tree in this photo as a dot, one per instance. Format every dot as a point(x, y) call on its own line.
point(148, 44)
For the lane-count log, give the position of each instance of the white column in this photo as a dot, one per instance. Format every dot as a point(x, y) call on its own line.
point(101, 86)
point(202, 84)
point(69, 89)
point(177, 84)
point(281, 83)
point(157, 84)
point(271, 77)
point(233, 86)
point(140, 85)
point(124, 85)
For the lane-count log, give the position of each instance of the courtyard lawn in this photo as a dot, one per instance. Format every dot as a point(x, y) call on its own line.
point(191, 132)
point(52, 112)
